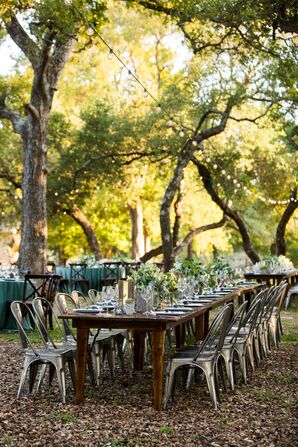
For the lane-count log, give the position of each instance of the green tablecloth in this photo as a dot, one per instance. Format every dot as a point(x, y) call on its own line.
point(95, 275)
point(10, 290)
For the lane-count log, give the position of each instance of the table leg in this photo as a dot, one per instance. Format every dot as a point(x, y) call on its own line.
point(180, 335)
point(82, 343)
point(158, 341)
point(199, 327)
point(206, 323)
point(138, 349)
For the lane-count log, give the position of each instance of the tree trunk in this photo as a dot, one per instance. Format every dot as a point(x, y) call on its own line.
point(86, 226)
point(47, 57)
point(280, 241)
point(34, 214)
point(137, 233)
point(178, 216)
point(190, 250)
point(207, 181)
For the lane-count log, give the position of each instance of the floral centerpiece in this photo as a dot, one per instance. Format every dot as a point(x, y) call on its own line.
point(163, 285)
point(273, 264)
point(220, 271)
point(192, 271)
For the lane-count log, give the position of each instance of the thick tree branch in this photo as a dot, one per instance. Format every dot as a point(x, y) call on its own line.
point(208, 184)
point(10, 179)
point(197, 231)
point(178, 215)
point(11, 115)
point(281, 247)
point(22, 40)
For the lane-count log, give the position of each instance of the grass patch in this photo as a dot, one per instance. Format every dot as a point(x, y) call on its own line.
point(265, 395)
point(288, 379)
point(64, 418)
point(8, 441)
point(166, 429)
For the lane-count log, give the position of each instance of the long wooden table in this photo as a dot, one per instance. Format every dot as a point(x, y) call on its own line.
point(139, 324)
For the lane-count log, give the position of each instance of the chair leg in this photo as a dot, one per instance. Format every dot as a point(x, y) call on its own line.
point(227, 355)
point(26, 365)
point(60, 370)
point(33, 369)
point(41, 375)
point(210, 377)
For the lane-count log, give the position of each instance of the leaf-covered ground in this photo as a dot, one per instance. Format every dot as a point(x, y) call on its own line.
point(262, 413)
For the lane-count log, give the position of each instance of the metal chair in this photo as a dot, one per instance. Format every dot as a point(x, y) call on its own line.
point(292, 291)
point(93, 295)
point(78, 276)
point(275, 326)
point(50, 355)
point(204, 356)
point(228, 349)
point(100, 345)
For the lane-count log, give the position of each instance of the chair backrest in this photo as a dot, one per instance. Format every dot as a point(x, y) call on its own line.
point(236, 322)
point(36, 285)
point(214, 340)
point(39, 304)
point(66, 303)
point(78, 271)
point(80, 299)
point(22, 313)
point(94, 295)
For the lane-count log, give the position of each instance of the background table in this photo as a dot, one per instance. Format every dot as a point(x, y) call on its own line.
point(95, 275)
point(274, 278)
point(10, 290)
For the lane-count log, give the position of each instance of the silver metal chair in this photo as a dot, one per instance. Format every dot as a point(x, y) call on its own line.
point(93, 295)
point(244, 344)
point(274, 320)
point(292, 291)
point(228, 349)
point(203, 356)
point(50, 355)
point(101, 344)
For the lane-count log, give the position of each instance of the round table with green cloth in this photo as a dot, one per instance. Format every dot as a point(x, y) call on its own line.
point(95, 275)
point(10, 290)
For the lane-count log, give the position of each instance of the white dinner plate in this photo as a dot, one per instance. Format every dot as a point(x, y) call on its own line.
point(87, 311)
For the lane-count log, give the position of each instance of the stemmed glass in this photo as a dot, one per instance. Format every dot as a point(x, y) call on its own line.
point(147, 295)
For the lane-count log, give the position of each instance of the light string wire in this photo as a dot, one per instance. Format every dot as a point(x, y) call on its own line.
point(182, 130)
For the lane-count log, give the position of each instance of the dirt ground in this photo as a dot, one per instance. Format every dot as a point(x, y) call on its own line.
point(120, 413)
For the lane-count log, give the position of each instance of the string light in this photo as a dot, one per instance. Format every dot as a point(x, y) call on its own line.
point(181, 133)
point(194, 143)
point(68, 2)
point(90, 31)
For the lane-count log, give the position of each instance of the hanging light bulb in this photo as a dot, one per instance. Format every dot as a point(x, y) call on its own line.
point(223, 171)
point(181, 133)
point(158, 108)
point(170, 122)
point(56, 194)
point(234, 181)
point(90, 31)
point(194, 143)
point(111, 54)
point(218, 185)
point(215, 166)
point(68, 2)
point(145, 92)
point(208, 159)
point(229, 177)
